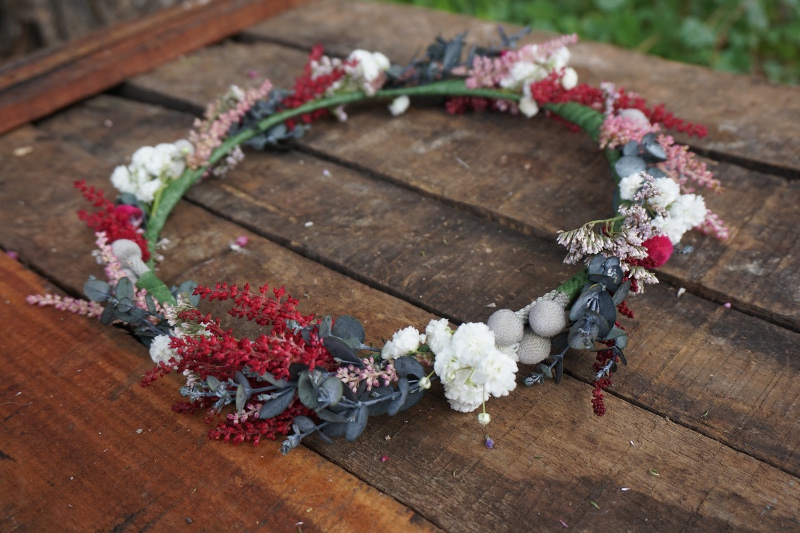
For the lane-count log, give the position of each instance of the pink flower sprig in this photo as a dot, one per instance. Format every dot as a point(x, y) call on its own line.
point(372, 374)
point(220, 116)
point(684, 167)
point(67, 303)
point(620, 129)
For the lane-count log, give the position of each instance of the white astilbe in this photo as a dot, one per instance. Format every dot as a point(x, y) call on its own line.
point(469, 364)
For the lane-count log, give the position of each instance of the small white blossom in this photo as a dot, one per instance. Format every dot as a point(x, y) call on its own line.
point(403, 343)
point(160, 351)
point(528, 106)
point(438, 335)
point(569, 80)
point(629, 185)
point(667, 191)
point(370, 64)
point(399, 105)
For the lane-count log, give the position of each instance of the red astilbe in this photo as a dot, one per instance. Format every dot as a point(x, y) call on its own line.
point(220, 354)
point(217, 352)
point(310, 86)
point(600, 384)
point(550, 90)
point(118, 222)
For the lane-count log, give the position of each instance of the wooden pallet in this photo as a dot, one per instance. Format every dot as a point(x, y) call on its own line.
point(413, 217)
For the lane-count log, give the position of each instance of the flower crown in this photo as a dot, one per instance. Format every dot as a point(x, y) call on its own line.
point(307, 375)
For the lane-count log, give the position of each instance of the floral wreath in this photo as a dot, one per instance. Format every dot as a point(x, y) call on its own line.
point(307, 375)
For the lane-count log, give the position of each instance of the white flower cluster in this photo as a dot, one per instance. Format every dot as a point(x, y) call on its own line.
point(533, 66)
point(469, 364)
point(160, 351)
point(364, 69)
point(151, 168)
point(682, 212)
point(404, 342)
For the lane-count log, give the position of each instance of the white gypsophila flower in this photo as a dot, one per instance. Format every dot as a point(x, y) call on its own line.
point(496, 373)
point(558, 58)
point(666, 192)
point(690, 209)
point(399, 105)
point(403, 343)
point(629, 185)
point(569, 80)
point(160, 351)
point(147, 190)
point(438, 335)
point(528, 106)
point(672, 228)
point(370, 65)
point(472, 341)
point(523, 73)
point(122, 179)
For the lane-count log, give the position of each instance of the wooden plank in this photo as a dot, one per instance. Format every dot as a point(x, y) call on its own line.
point(552, 458)
point(34, 87)
point(742, 126)
point(86, 448)
point(544, 181)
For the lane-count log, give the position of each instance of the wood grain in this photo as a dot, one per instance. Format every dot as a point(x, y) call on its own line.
point(36, 86)
point(535, 176)
point(741, 127)
point(85, 447)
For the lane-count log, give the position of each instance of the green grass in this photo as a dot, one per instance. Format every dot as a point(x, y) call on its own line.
point(758, 37)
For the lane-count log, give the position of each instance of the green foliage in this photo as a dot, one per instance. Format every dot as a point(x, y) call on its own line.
point(759, 37)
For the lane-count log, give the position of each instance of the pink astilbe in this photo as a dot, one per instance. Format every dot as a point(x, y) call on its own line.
point(713, 225)
point(220, 116)
point(104, 255)
point(684, 167)
point(373, 375)
point(66, 303)
point(618, 130)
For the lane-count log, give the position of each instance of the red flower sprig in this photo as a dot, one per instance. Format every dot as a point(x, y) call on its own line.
point(115, 221)
point(308, 87)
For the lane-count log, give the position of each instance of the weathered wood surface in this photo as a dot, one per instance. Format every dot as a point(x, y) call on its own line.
point(707, 403)
point(44, 82)
point(84, 447)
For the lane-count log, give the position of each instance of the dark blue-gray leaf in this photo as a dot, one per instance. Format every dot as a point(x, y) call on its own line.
point(213, 383)
point(295, 369)
point(330, 416)
point(622, 292)
point(151, 304)
point(629, 164)
point(377, 408)
point(241, 398)
point(630, 148)
point(586, 300)
point(559, 342)
point(347, 326)
point(97, 290)
point(241, 379)
point(607, 309)
point(307, 390)
point(413, 398)
point(341, 352)
point(303, 424)
point(324, 328)
point(277, 405)
point(586, 330)
point(107, 317)
point(398, 403)
point(653, 152)
point(656, 172)
point(544, 370)
point(335, 429)
point(408, 366)
point(559, 370)
point(332, 390)
point(356, 427)
point(596, 264)
point(269, 378)
point(124, 289)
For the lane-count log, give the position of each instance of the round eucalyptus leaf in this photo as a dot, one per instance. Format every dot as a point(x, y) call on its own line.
point(124, 289)
point(241, 398)
point(332, 388)
point(622, 292)
point(656, 172)
point(607, 309)
point(213, 383)
point(307, 390)
point(586, 300)
point(596, 265)
point(331, 416)
point(107, 317)
point(277, 405)
point(544, 370)
point(355, 428)
point(586, 330)
point(649, 138)
point(408, 366)
point(303, 424)
point(335, 429)
point(295, 369)
point(630, 148)
point(241, 379)
point(629, 164)
point(341, 352)
point(347, 326)
point(413, 398)
point(654, 152)
point(398, 403)
point(97, 290)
